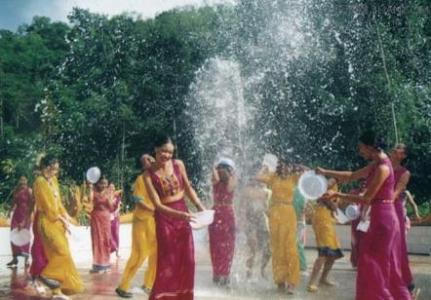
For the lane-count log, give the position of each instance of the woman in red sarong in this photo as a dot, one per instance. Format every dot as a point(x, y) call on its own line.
point(100, 224)
point(402, 178)
point(222, 230)
point(21, 219)
point(38, 257)
point(168, 183)
point(379, 274)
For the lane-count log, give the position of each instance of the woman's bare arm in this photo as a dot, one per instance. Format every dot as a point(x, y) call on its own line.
point(214, 176)
point(345, 176)
point(382, 172)
point(190, 192)
point(231, 185)
point(402, 184)
point(411, 201)
point(263, 175)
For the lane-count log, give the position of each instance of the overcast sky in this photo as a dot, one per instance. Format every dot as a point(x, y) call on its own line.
point(16, 12)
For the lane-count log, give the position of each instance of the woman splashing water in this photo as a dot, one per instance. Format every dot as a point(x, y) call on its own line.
point(379, 274)
point(222, 230)
point(282, 225)
point(168, 184)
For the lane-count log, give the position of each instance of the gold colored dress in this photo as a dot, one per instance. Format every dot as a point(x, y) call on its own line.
point(324, 228)
point(60, 265)
point(282, 226)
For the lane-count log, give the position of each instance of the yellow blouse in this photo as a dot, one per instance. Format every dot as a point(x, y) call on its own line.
point(47, 198)
point(63, 211)
point(282, 188)
point(140, 190)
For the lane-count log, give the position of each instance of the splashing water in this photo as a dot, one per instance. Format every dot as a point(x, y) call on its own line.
point(221, 117)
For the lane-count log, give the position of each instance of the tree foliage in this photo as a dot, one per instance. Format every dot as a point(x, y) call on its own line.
point(97, 90)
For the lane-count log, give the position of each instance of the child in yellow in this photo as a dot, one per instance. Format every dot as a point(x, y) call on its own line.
point(144, 244)
point(328, 246)
point(60, 273)
point(282, 226)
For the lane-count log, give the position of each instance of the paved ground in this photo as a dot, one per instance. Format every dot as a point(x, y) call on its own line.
point(14, 285)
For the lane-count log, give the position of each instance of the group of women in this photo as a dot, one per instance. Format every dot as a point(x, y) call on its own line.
point(51, 263)
point(161, 227)
point(382, 258)
point(162, 233)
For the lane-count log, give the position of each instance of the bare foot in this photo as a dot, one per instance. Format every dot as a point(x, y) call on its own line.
point(290, 289)
point(416, 293)
point(328, 282)
point(281, 287)
point(312, 288)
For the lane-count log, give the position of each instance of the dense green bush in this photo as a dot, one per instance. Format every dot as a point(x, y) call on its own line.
point(95, 91)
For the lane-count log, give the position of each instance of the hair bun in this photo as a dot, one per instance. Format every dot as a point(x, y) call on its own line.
point(380, 143)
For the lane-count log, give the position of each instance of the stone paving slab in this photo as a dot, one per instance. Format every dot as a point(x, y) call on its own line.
point(14, 285)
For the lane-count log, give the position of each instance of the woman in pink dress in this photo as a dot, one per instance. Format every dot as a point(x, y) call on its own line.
point(100, 222)
point(21, 219)
point(168, 184)
point(402, 178)
point(222, 230)
point(379, 274)
point(115, 221)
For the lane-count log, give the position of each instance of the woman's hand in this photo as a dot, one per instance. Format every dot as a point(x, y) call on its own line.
point(320, 171)
point(186, 216)
point(65, 224)
point(329, 195)
point(418, 218)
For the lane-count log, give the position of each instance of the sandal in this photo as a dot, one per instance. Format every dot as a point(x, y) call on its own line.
point(51, 283)
point(12, 264)
point(123, 294)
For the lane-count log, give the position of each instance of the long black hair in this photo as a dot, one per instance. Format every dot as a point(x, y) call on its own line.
point(47, 161)
point(161, 140)
point(370, 138)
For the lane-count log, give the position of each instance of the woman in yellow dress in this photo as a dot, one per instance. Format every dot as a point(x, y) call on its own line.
point(144, 243)
point(282, 226)
point(328, 247)
point(60, 274)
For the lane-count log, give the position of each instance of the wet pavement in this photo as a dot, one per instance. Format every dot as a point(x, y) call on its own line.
point(15, 284)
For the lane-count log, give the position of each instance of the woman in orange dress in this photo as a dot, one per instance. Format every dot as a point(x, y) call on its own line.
point(100, 223)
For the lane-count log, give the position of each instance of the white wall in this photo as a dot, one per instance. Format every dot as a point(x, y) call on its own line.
point(419, 240)
point(80, 242)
